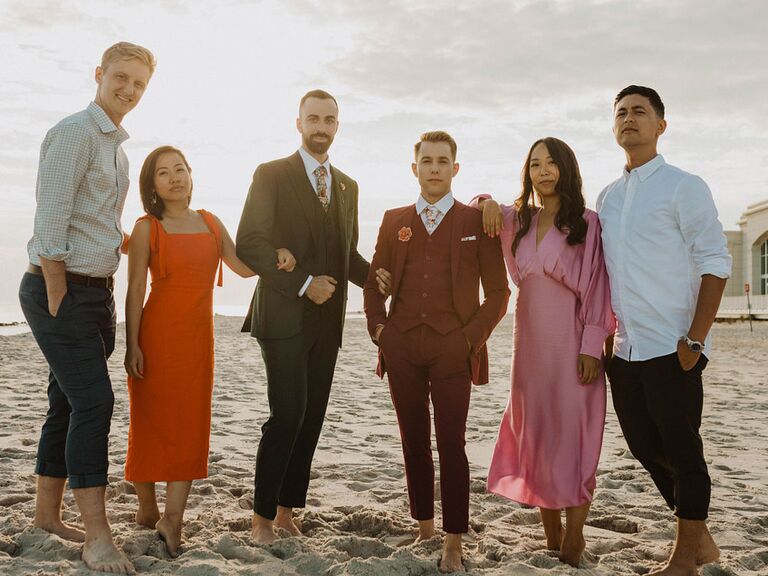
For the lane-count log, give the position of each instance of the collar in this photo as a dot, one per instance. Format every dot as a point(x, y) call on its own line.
point(444, 204)
point(104, 123)
point(644, 171)
point(310, 163)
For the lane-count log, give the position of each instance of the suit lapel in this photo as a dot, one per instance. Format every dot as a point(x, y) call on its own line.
point(406, 220)
point(457, 227)
point(339, 196)
point(305, 193)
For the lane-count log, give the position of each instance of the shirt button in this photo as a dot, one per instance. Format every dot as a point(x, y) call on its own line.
point(429, 257)
point(423, 315)
point(429, 241)
point(423, 294)
point(426, 276)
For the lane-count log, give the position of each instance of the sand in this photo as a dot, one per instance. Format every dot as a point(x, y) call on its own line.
point(357, 520)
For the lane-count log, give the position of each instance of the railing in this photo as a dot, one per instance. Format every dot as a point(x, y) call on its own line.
point(736, 307)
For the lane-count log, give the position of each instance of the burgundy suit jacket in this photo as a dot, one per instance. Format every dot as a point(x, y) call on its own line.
point(475, 259)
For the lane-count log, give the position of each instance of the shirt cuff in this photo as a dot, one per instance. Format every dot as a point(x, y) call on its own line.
point(592, 341)
point(306, 285)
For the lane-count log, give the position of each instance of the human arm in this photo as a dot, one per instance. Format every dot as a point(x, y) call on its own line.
point(595, 312)
point(493, 276)
point(257, 236)
point(138, 264)
point(706, 242)
point(358, 266)
point(373, 300)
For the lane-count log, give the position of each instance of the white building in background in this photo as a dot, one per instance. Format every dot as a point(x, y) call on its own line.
point(749, 248)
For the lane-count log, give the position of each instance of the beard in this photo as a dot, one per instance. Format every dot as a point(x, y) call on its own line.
point(316, 146)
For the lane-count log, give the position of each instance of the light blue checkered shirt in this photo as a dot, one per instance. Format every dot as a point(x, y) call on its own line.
point(82, 183)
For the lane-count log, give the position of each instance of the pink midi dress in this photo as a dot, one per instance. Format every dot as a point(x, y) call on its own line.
point(550, 436)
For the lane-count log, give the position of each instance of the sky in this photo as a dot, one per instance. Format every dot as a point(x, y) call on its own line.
point(497, 75)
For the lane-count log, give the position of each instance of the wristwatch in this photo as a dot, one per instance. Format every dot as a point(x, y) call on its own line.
point(693, 345)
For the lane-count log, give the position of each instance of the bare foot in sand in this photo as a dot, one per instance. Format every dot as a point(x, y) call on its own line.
point(263, 530)
point(570, 552)
point(102, 555)
point(170, 533)
point(451, 558)
point(708, 550)
point(555, 539)
point(284, 521)
point(147, 518)
point(56, 526)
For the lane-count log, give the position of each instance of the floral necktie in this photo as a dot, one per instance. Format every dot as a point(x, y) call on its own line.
point(322, 188)
point(431, 213)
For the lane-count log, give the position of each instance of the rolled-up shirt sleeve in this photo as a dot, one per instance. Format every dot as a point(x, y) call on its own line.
point(701, 228)
point(64, 159)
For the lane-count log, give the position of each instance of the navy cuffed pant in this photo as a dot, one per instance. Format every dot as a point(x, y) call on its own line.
point(76, 344)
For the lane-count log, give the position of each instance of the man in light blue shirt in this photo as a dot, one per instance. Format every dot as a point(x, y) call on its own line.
point(66, 296)
point(668, 262)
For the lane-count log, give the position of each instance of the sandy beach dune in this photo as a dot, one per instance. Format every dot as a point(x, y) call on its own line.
point(357, 518)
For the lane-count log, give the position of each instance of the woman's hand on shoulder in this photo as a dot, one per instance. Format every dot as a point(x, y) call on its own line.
point(493, 219)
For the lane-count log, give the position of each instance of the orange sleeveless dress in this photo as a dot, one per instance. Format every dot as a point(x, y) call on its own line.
point(170, 415)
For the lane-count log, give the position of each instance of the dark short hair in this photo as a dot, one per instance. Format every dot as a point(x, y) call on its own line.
point(436, 136)
point(319, 94)
point(649, 93)
point(150, 200)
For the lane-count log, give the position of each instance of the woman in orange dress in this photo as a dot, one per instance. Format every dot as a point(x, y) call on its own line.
point(169, 356)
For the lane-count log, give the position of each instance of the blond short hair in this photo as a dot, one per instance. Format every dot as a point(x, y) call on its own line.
point(436, 136)
point(128, 51)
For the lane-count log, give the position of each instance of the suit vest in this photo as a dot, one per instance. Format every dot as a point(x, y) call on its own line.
point(425, 294)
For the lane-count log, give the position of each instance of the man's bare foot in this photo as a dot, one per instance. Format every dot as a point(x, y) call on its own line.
point(289, 525)
point(284, 521)
point(708, 550)
point(426, 530)
point(570, 552)
point(60, 529)
point(450, 560)
point(261, 534)
point(147, 518)
point(170, 533)
point(102, 555)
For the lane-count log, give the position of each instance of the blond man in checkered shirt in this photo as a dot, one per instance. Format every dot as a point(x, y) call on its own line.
point(67, 298)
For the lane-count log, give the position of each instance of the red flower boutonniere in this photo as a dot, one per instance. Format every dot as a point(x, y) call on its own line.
point(342, 186)
point(404, 234)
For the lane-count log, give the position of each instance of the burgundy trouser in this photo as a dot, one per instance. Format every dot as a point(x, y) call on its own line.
point(423, 363)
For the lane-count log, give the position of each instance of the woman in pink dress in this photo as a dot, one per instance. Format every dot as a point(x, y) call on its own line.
point(550, 436)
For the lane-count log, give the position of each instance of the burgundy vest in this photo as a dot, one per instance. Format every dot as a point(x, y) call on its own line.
point(425, 294)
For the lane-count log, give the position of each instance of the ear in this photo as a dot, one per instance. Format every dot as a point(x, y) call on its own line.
point(298, 125)
point(455, 168)
point(415, 169)
point(98, 74)
point(661, 128)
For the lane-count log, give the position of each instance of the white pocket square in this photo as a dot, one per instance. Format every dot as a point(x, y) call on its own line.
point(468, 238)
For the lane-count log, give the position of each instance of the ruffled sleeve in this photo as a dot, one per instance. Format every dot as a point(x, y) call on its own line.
point(593, 289)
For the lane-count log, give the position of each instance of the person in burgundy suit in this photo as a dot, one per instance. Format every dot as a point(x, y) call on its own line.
point(432, 342)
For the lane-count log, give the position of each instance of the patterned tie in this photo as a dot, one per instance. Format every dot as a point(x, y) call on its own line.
point(431, 213)
point(322, 188)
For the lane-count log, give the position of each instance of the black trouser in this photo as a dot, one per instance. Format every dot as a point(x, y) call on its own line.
point(76, 344)
point(659, 408)
point(299, 375)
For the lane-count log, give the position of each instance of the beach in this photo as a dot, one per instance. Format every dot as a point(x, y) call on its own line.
point(357, 521)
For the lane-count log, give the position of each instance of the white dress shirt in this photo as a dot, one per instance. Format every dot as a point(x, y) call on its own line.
point(442, 206)
point(310, 165)
point(660, 234)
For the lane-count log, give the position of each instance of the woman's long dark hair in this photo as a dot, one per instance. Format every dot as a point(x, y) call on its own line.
point(151, 201)
point(570, 216)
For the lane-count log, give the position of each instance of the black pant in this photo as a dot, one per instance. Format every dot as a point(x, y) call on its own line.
point(76, 344)
point(299, 375)
point(659, 408)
